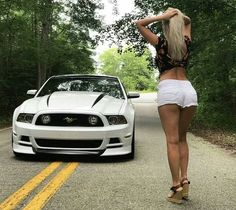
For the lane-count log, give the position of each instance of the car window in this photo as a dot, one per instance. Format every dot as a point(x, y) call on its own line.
point(109, 86)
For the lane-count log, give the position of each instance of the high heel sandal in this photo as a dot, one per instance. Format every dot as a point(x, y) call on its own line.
point(175, 195)
point(185, 185)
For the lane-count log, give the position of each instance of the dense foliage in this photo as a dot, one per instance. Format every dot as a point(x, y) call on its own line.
point(40, 38)
point(134, 71)
point(212, 66)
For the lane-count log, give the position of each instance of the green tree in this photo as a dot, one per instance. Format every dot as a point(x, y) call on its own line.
point(134, 71)
point(40, 38)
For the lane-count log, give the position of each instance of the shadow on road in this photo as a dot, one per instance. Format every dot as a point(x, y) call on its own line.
point(71, 158)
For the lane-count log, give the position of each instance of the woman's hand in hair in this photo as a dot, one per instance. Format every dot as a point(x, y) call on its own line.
point(169, 14)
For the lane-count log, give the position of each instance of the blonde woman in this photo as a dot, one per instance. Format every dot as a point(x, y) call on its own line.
point(177, 99)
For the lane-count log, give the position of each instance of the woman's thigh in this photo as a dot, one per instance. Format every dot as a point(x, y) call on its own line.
point(185, 117)
point(169, 115)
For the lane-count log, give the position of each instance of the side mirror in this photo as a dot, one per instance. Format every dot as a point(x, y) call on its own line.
point(133, 95)
point(31, 92)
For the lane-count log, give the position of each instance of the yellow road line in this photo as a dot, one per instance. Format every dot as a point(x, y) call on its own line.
point(51, 188)
point(12, 201)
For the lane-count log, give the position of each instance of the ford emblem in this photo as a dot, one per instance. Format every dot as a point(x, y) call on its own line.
point(70, 119)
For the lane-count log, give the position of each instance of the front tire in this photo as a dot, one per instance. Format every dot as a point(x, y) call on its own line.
point(132, 154)
point(16, 154)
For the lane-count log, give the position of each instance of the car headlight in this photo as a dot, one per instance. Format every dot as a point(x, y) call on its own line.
point(25, 117)
point(116, 119)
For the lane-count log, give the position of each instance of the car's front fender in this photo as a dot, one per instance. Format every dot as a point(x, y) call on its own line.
point(15, 114)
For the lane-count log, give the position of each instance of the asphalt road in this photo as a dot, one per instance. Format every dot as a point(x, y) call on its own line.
point(118, 184)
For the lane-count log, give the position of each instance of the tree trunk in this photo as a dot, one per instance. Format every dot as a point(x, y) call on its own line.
point(46, 29)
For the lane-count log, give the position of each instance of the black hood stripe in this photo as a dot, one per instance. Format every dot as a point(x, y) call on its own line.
point(98, 98)
point(48, 99)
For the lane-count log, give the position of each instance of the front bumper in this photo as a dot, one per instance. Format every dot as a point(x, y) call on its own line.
point(25, 139)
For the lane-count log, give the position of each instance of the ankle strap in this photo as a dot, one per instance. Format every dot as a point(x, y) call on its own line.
point(174, 188)
point(185, 179)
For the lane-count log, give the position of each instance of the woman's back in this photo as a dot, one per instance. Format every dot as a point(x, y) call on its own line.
point(166, 63)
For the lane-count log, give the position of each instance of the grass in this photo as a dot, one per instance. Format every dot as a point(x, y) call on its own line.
point(221, 137)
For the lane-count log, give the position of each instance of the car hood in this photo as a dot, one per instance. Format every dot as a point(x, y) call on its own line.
point(74, 101)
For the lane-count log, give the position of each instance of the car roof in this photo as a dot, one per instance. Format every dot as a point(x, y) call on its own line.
point(83, 75)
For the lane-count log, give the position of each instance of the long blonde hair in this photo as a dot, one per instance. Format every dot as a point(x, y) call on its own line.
point(173, 32)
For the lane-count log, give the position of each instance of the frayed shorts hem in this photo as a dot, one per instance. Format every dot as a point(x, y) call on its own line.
point(185, 106)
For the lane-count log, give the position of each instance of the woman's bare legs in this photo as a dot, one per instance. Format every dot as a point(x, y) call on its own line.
point(169, 115)
point(175, 122)
point(185, 118)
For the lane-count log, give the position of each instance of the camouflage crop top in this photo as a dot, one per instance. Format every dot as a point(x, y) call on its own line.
point(163, 59)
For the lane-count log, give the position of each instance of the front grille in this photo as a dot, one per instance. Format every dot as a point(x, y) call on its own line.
point(68, 143)
point(68, 120)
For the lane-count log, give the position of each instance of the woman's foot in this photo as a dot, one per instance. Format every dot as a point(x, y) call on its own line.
point(185, 185)
point(175, 195)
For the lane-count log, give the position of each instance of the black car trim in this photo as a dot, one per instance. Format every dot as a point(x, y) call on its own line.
point(68, 152)
point(98, 98)
point(48, 99)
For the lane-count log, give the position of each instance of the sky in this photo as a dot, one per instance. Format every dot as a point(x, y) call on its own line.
point(124, 6)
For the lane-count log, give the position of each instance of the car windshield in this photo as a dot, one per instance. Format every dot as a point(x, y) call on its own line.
point(106, 85)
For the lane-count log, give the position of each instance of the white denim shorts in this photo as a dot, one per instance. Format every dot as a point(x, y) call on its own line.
point(180, 92)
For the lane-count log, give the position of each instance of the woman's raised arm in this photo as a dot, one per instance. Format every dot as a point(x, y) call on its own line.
point(146, 33)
